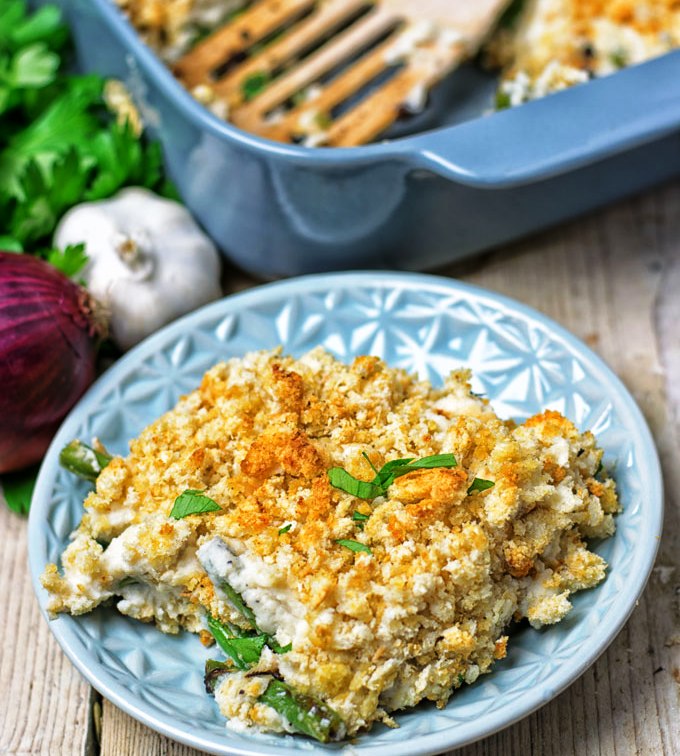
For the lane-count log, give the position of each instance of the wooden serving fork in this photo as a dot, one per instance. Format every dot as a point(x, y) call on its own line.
point(334, 72)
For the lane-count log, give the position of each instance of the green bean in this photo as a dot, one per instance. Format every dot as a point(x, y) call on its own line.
point(82, 460)
point(243, 647)
point(305, 714)
point(240, 605)
point(213, 671)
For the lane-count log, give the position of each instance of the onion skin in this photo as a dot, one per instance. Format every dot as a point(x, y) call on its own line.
point(48, 348)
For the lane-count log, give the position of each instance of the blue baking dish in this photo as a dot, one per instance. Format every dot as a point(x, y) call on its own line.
point(415, 202)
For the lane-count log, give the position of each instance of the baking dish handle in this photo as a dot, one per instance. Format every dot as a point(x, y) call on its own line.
point(559, 133)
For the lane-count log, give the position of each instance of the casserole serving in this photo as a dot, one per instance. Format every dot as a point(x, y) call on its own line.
point(414, 202)
point(332, 532)
point(520, 360)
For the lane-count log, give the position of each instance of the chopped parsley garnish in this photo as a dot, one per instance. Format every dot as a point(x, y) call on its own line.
point(600, 467)
point(193, 502)
point(254, 85)
point(341, 479)
point(348, 543)
point(360, 519)
point(619, 58)
point(285, 528)
point(503, 101)
point(388, 473)
point(323, 120)
point(479, 484)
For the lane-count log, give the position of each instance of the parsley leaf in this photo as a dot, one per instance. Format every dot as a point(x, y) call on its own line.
point(70, 260)
point(9, 244)
point(388, 473)
point(121, 159)
point(360, 519)
point(254, 84)
point(34, 66)
point(193, 502)
point(479, 484)
point(17, 28)
point(59, 144)
point(17, 489)
point(619, 58)
point(340, 478)
point(503, 101)
point(348, 543)
point(285, 528)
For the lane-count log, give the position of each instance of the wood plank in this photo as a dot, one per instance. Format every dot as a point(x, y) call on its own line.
point(45, 702)
point(124, 736)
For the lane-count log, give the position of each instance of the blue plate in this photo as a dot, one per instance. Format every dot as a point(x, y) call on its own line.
point(522, 361)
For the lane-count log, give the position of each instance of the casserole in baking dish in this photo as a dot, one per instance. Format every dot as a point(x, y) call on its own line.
point(461, 184)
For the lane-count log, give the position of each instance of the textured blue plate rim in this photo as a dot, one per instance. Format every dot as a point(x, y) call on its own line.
point(427, 744)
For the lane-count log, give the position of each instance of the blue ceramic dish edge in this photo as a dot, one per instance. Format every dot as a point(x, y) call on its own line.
point(602, 123)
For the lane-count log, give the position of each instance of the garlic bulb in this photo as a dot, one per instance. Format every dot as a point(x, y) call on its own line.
point(149, 262)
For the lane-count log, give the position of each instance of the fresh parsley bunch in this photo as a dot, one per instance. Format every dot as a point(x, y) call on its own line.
point(59, 145)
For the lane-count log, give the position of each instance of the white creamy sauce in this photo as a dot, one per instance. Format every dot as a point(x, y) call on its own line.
point(120, 517)
point(559, 449)
point(187, 566)
point(87, 585)
point(416, 99)
point(453, 406)
point(277, 610)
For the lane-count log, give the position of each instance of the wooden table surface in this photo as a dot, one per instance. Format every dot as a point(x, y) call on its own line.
point(613, 279)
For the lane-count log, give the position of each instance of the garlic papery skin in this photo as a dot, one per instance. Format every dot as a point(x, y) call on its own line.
point(149, 262)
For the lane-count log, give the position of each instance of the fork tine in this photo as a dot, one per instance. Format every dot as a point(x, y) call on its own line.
point(252, 115)
point(335, 92)
point(377, 111)
point(307, 33)
point(256, 23)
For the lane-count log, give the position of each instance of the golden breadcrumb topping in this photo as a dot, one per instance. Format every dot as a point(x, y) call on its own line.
point(171, 27)
point(425, 604)
point(559, 43)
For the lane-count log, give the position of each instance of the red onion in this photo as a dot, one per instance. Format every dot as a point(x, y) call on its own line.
point(47, 355)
